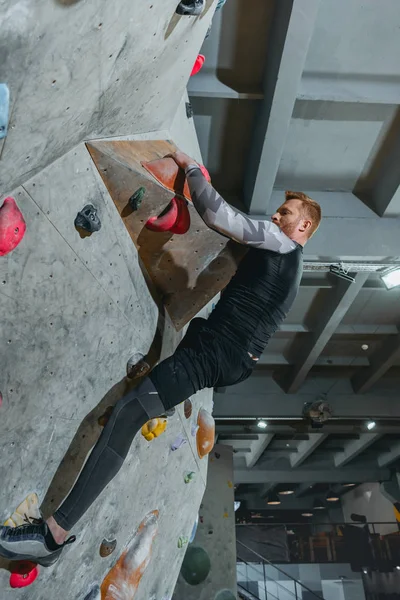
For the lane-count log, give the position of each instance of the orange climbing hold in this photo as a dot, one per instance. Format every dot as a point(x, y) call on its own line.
point(154, 428)
point(205, 435)
point(123, 580)
point(170, 176)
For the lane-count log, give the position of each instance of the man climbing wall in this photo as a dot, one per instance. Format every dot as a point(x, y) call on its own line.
point(220, 351)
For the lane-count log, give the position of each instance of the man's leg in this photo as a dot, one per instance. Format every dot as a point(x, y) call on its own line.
point(171, 382)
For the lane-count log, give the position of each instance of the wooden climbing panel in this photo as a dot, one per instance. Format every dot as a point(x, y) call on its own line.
point(187, 270)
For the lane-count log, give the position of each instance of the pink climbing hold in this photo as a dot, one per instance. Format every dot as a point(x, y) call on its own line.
point(166, 221)
point(12, 226)
point(198, 64)
point(24, 574)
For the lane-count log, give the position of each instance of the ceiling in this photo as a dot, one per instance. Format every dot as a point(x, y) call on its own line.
point(305, 96)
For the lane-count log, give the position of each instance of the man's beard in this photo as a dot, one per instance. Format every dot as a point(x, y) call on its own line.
point(290, 228)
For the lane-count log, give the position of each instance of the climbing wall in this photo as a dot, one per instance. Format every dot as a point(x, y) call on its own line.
point(73, 311)
point(79, 70)
point(209, 568)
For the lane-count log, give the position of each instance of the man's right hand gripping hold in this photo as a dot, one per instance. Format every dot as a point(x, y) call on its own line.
point(220, 351)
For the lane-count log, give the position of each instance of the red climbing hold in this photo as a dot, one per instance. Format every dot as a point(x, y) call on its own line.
point(198, 63)
point(176, 219)
point(12, 226)
point(182, 222)
point(24, 574)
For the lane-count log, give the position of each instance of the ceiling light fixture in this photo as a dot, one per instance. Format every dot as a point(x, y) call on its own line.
point(364, 347)
point(391, 278)
point(398, 568)
point(318, 505)
point(287, 491)
point(273, 500)
point(371, 425)
point(262, 424)
point(307, 514)
point(348, 484)
point(331, 496)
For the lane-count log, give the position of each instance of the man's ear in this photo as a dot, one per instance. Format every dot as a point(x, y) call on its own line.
point(305, 225)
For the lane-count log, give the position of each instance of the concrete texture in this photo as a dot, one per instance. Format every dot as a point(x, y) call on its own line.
point(215, 532)
point(73, 311)
point(84, 70)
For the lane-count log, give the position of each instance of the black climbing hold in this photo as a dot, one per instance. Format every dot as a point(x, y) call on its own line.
point(189, 110)
point(136, 199)
point(217, 455)
point(4, 109)
point(88, 219)
point(170, 412)
point(190, 7)
point(107, 547)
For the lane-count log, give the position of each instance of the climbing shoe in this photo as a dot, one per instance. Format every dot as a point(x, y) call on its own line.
point(190, 7)
point(32, 542)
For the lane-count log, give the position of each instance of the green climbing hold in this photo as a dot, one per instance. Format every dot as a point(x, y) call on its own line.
point(136, 199)
point(182, 541)
point(189, 476)
point(196, 565)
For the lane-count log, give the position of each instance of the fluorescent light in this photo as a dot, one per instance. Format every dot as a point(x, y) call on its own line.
point(332, 497)
point(398, 568)
point(262, 424)
point(392, 278)
point(273, 500)
point(318, 505)
point(286, 492)
point(365, 571)
point(348, 484)
point(370, 425)
point(307, 514)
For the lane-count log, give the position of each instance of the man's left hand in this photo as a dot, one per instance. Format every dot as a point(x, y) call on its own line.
point(182, 159)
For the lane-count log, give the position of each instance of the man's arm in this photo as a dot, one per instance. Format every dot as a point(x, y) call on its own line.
point(220, 216)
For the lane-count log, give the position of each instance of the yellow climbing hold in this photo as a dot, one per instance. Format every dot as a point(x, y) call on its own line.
point(154, 428)
point(226, 515)
point(28, 509)
point(230, 484)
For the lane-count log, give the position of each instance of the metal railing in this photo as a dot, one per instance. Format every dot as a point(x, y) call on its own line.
point(298, 586)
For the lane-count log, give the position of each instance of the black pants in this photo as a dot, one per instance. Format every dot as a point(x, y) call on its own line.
point(203, 359)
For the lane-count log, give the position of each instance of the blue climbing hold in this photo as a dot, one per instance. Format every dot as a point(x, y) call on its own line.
point(4, 109)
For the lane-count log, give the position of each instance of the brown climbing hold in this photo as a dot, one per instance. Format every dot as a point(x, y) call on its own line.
point(187, 408)
point(205, 436)
point(123, 579)
point(136, 370)
point(107, 547)
point(103, 419)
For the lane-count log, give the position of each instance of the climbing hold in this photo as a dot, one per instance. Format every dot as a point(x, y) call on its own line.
point(175, 218)
point(12, 226)
point(225, 515)
point(170, 412)
point(135, 369)
point(187, 408)
point(103, 419)
point(230, 484)
point(196, 565)
point(189, 476)
point(190, 7)
point(182, 541)
point(205, 436)
point(167, 218)
point(171, 177)
point(123, 579)
point(4, 109)
point(182, 222)
point(189, 110)
point(179, 442)
point(217, 455)
point(107, 547)
point(23, 574)
point(225, 595)
point(88, 219)
point(136, 199)
point(154, 428)
point(194, 530)
point(198, 63)
point(28, 509)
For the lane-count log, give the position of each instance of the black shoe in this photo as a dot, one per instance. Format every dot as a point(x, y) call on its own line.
point(190, 7)
point(31, 542)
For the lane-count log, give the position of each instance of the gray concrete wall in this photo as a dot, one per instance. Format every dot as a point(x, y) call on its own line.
point(84, 70)
point(72, 312)
point(215, 533)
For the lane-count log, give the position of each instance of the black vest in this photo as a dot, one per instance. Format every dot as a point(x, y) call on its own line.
point(258, 298)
